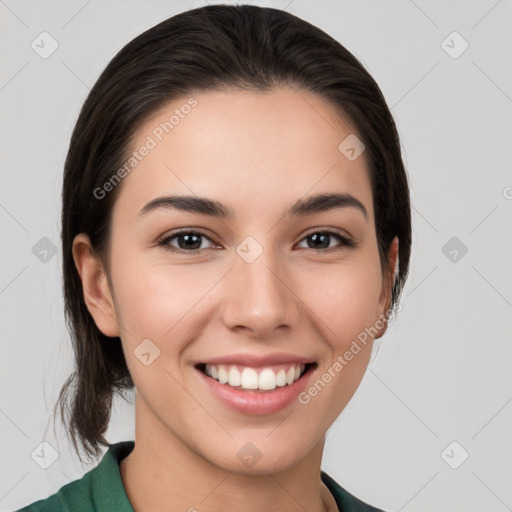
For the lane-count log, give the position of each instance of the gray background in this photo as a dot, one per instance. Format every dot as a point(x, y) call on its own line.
point(441, 373)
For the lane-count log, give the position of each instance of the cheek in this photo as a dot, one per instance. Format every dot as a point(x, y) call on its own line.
point(344, 297)
point(162, 304)
point(158, 301)
point(153, 298)
point(345, 305)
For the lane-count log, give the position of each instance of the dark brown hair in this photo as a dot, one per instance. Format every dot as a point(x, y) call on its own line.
point(207, 48)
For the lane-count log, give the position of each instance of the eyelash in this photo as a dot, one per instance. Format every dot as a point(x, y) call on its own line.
point(346, 242)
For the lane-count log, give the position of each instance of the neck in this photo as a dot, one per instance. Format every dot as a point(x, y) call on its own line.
point(163, 469)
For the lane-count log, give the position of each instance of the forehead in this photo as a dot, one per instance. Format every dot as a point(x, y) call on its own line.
point(246, 149)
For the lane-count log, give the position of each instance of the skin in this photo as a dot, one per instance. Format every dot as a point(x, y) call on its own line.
point(257, 153)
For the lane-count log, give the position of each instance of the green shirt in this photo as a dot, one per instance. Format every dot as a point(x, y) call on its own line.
point(101, 490)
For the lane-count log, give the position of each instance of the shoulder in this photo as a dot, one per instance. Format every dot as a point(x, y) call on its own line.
point(346, 502)
point(71, 497)
point(101, 488)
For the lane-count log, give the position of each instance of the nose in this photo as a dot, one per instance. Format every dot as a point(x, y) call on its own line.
point(258, 297)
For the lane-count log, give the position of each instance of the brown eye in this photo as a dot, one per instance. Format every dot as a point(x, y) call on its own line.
point(187, 242)
point(321, 240)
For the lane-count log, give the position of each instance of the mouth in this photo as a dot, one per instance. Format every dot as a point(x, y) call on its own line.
point(263, 379)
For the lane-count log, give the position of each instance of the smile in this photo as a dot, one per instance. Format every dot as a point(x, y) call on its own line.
point(258, 390)
point(246, 377)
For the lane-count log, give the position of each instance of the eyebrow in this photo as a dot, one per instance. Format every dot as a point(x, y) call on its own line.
point(308, 206)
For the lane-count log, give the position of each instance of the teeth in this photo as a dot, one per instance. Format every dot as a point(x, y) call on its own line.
point(267, 379)
point(281, 378)
point(223, 376)
point(249, 378)
point(234, 377)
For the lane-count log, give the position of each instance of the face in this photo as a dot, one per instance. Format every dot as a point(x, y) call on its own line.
point(264, 287)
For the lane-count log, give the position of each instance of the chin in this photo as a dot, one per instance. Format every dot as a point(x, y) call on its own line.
point(251, 458)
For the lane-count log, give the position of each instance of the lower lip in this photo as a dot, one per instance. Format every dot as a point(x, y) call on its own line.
point(256, 402)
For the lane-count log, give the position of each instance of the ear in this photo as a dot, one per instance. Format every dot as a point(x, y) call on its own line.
point(387, 287)
point(95, 287)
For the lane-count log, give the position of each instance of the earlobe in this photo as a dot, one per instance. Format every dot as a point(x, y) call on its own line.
point(95, 287)
point(387, 286)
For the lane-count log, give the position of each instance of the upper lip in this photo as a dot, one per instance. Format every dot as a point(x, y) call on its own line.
point(254, 360)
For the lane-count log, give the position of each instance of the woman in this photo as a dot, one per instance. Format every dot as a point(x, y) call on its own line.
point(236, 232)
